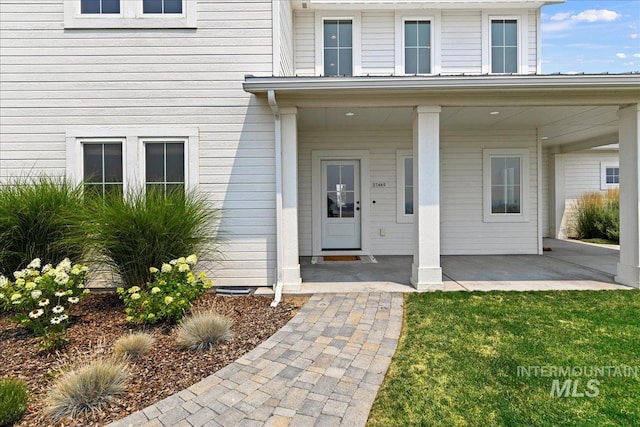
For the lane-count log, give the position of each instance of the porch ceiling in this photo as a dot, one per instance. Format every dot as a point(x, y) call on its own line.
point(558, 125)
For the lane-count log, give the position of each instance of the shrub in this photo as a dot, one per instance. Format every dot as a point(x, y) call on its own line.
point(133, 346)
point(13, 401)
point(41, 217)
point(149, 227)
point(169, 294)
point(41, 298)
point(86, 389)
point(598, 216)
point(201, 331)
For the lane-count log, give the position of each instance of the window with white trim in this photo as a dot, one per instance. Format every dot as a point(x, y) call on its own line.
point(127, 157)
point(609, 175)
point(338, 47)
point(404, 186)
point(102, 167)
point(417, 47)
point(110, 14)
point(100, 6)
point(164, 165)
point(505, 185)
point(161, 6)
point(504, 46)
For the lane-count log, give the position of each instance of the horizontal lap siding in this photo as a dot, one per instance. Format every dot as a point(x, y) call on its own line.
point(582, 171)
point(382, 146)
point(462, 228)
point(304, 43)
point(378, 43)
point(53, 79)
point(461, 49)
point(532, 57)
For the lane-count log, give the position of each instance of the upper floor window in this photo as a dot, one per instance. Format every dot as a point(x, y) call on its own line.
point(164, 165)
point(162, 6)
point(102, 167)
point(99, 6)
point(417, 47)
point(338, 47)
point(504, 46)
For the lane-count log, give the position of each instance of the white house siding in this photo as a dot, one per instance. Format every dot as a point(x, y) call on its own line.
point(378, 43)
point(461, 41)
point(382, 146)
point(286, 37)
point(304, 43)
point(462, 228)
point(532, 43)
point(582, 171)
point(53, 79)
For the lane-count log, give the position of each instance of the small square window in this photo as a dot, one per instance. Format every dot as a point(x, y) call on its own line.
point(609, 175)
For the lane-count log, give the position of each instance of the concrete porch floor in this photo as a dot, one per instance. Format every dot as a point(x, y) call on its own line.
point(568, 266)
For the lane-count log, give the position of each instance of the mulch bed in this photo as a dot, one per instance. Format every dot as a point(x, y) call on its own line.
point(100, 321)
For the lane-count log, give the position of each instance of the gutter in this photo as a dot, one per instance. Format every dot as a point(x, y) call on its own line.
point(589, 82)
point(277, 287)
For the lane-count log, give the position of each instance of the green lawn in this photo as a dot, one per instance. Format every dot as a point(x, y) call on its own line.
point(457, 360)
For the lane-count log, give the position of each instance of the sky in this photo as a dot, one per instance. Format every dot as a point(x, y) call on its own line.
point(591, 36)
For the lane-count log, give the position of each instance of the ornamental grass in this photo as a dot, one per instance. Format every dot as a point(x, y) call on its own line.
point(133, 346)
point(41, 217)
point(13, 401)
point(201, 331)
point(149, 227)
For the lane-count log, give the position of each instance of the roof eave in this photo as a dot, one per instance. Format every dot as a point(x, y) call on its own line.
point(257, 85)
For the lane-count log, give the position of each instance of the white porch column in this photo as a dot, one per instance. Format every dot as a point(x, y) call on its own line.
point(629, 137)
point(426, 270)
point(290, 257)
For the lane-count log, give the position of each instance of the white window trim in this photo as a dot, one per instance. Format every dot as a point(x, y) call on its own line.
point(133, 154)
point(130, 16)
point(159, 140)
point(401, 217)
point(487, 154)
point(603, 175)
point(523, 40)
point(356, 41)
point(434, 19)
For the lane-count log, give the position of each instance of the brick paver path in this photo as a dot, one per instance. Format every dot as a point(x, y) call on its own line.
point(323, 368)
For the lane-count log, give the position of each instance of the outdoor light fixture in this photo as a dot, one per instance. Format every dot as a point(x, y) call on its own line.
point(494, 113)
point(349, 114)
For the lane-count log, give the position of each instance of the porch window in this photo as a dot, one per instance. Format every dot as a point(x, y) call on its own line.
point(404, 191)
point(504, 46)
point(338, 47)
point(609, 175)
point(100, 6)
point(161, 6)
point(102, 167)
point(505, 185)
point(164, 165)
point(417, 47)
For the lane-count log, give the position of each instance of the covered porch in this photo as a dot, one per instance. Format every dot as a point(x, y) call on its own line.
point(569, 265)
point(449, 127)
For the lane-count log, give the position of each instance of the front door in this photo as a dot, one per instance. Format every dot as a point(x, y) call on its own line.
point(340, 204)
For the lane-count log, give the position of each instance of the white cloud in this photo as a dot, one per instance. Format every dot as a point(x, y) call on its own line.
point(633, 36)
point(636, 55)
point(593, 15)
point(565, 20)
point(621, 55)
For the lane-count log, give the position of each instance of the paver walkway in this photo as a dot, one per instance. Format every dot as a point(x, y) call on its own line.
point(323, 368)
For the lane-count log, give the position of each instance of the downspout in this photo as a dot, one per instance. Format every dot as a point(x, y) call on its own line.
point(277, 287)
